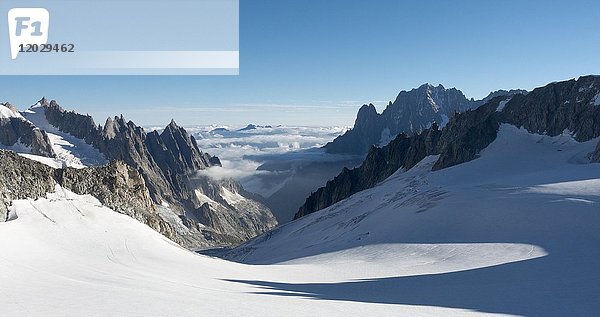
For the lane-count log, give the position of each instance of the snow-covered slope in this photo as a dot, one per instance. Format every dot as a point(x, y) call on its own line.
point(50, 161)
point(528, 195)
point(69, 256)
point(70, 151)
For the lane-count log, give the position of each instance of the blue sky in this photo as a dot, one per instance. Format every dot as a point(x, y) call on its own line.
point(314, 62)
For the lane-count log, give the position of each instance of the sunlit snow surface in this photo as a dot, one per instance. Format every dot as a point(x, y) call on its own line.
point(513, 232)
point(6, 112)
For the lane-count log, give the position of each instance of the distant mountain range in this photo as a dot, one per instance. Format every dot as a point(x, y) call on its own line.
point(565, 107)
point(254, 127)
point(156, 182)
point(412, 112)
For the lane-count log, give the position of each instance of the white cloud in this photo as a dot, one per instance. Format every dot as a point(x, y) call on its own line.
point(233, 145)
point(238, 169)
point(242, 152)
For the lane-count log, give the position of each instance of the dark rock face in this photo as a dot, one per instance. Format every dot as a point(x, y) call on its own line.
point(368, 129)
point(412, 112)
point(571, 105)
point(22, 178)
point(116, 185)
point(15, 130)
point(467, 134)
point(558, 106)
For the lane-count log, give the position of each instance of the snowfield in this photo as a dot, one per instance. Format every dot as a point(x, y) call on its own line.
point(514, 232)
point(67, 255)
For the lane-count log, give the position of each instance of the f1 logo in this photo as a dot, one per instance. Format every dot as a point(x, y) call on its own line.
point(27, 26)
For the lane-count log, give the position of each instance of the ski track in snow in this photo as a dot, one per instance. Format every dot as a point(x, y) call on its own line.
point(513, 232)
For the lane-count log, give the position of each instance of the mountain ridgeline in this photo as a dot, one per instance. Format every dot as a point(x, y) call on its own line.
point(564, 107)
point(16, 131)
point(412, 112)
point(186, 206)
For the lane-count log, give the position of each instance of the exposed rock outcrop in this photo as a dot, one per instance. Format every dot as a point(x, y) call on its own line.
point(467, 134)
point(17, 131)
point(22, 178)
point(116, 185)
point(503, 93)
point(568, 105)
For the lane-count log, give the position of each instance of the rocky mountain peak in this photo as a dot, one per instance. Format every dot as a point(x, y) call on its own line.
point(173, 129)
point(110, 129)
point(53, 105)
point(431, 95)
point(119, 121)
point(411, 112)
point(367, 110)
point(43, 102)
point(366, 114)
point(427, 87)
point(10, 107)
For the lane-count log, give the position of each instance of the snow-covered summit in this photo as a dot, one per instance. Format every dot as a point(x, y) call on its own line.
point(9, 111)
